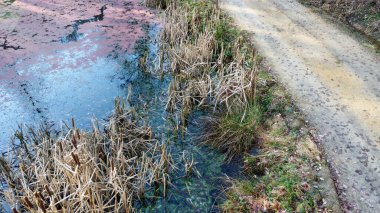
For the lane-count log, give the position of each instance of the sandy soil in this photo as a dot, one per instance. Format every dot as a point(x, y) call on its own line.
point(335, 81)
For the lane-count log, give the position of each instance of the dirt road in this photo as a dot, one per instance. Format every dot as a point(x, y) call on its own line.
point(335, 81)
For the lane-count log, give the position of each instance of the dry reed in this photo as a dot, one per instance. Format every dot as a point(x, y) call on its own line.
point(98, 171)
point(205, 73)
point(213, 65)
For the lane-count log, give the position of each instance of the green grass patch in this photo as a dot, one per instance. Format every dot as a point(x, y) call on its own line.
point(234, 133)
point(278, 178)
point(242, 121)
point(6, 15)
point(225, 36)
point(201, 18)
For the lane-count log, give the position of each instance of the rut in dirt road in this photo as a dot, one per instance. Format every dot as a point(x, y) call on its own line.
point(334, 80)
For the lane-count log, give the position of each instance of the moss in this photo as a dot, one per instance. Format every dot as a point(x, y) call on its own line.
point(8, 2)
point(283, 184)
point(6, 15)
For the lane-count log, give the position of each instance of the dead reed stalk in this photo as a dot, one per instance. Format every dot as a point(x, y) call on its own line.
point(98, 171)
point(208, 69)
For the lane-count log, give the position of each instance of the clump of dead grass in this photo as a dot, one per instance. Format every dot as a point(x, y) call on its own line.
point(213, 66)
point(101, 171)
point(233, 133)
point(211, 63)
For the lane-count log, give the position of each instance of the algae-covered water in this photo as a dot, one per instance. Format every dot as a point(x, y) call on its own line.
point(200, 192)
point(70, 82)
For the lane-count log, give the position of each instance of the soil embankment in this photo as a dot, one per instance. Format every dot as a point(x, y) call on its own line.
point(334, 79)
point(362, 15)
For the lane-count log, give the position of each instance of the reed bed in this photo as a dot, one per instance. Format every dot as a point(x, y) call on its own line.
point(211, 63)
point(98, 171)
point(214, 67)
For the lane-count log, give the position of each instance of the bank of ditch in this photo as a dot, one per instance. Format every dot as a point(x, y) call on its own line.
point(207, 105)
point(215, 66)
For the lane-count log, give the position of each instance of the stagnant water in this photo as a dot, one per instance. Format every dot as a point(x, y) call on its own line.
point(63, 59)
point(149, 95)
point(81, 71)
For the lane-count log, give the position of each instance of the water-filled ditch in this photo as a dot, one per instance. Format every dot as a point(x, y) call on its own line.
point(199, 193)
point(58, 95)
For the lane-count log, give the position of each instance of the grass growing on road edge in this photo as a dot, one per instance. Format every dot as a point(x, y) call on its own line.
point(362, 16)
point(281, 177)
point(215, 67)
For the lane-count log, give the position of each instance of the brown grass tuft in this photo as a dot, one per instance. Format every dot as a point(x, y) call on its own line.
point(87, 171)
point(210, 62)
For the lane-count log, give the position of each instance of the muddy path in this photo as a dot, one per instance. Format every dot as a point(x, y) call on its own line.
point(62, 59)
point(336, 82)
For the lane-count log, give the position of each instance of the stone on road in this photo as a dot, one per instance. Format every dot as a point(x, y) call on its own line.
point(334, 79)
